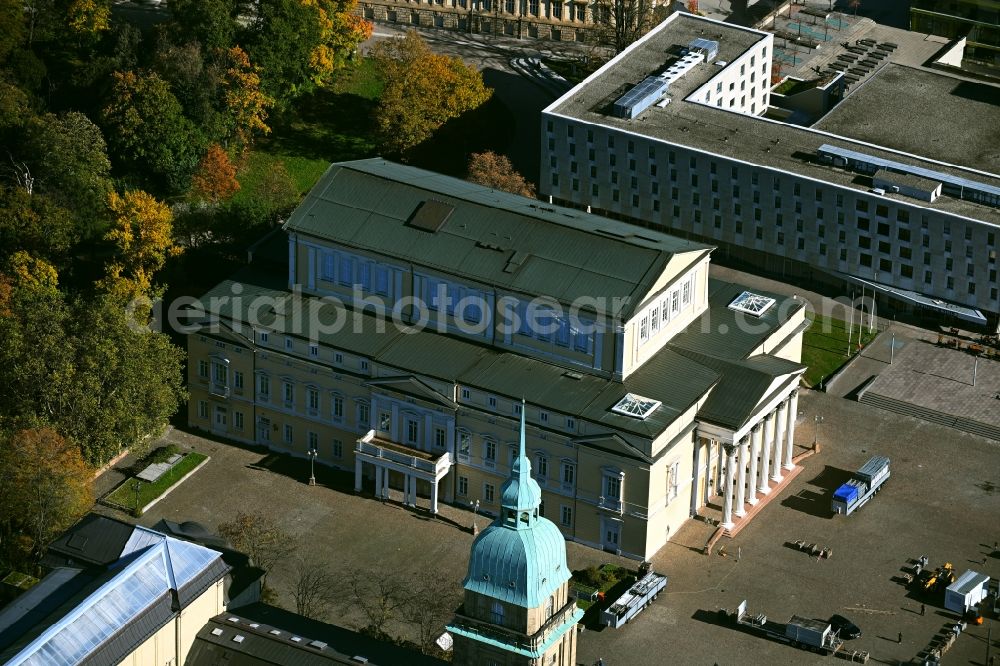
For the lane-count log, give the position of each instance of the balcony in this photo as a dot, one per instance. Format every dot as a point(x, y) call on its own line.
point(218, 389)
point(376, 449)
point(612, 504)
point(568, 614)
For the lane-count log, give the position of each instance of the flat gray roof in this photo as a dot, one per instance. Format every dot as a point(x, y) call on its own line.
point(921, 112)
point(747, 138)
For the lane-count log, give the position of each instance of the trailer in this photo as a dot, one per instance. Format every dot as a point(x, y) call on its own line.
point(866, 482)
point(641, 594)
point(814, 635)
point(966, 592)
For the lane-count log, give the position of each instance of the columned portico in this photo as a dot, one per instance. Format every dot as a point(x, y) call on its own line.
point(413, 464)
point(780, 416)
point(741, 477)
point(755, 438)
point(727, 501)
point(793, 410)
point(767, 426)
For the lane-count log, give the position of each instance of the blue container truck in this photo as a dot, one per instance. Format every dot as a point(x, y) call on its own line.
point(866, 482)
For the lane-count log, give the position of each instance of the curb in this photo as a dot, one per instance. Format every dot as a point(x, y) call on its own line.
point(832, 379)
point(176, 484)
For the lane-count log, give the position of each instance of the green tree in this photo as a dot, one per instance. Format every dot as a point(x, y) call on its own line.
point(45, 486)
point(70, 164)
point(148, 134)
point(32, 222)
point(212, 23)
point(12, 19)
point(108, 384)
point(280, 40)
point(423, 90)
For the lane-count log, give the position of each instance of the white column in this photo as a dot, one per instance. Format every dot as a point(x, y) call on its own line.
point(434, 496)
point(765, 453)
point(407, 480)
point(793, 411)
point(727, 501)
point(378, 481)
point(779, 439)
point(741, 477)
point(720, 468)
point(754, 453)
point(357, 475)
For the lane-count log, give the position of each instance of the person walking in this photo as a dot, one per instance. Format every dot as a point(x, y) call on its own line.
point(922, 609)
point(899, 639)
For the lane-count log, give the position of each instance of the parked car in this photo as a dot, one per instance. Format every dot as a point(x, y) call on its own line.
point(847, 629)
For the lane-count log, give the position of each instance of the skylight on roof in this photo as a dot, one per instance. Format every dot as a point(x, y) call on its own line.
point(636, 405)
point(751, 303)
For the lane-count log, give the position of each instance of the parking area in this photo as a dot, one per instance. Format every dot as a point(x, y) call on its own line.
point(943, 501)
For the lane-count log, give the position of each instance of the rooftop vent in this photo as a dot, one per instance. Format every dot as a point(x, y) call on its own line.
point(636, 406)
point(216, 632)
point(274, 632)
point(640, 98)
point(751, 303)
point(431, 215)
point(358, 658)
point(238, 638)
point(319, 645)
point(569, 374)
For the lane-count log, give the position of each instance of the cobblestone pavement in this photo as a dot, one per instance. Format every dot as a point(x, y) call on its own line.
point(942, 500)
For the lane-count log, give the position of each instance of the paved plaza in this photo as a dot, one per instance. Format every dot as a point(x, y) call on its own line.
point(942, 501)
point(943, 379)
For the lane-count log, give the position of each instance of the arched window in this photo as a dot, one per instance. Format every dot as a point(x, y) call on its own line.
point(496, 614)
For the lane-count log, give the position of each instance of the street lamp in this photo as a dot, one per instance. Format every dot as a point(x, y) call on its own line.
point(312, 466)
point(818, 419)
point(475, 513)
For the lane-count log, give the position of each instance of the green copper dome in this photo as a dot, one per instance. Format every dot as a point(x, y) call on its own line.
point(521, 557)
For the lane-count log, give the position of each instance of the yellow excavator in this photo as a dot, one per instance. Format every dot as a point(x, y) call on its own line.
point(937, 580)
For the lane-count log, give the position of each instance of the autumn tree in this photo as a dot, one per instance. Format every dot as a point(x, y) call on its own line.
point(247, 105)
point(380, 597)
point(32, 274)
point(215, 178)
point(142, 232)
point(259, 536)
point(496, 171)
point(423, 90)
point(45, 486)
point(148, 132)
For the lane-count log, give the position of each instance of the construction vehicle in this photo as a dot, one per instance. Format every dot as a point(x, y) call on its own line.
point(641, 594)
point(932, 582)
point(814, 635)
point(867, 481)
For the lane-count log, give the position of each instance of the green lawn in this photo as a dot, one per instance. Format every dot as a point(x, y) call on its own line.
point(331, 124)
point(124, 495)
point(824, 346)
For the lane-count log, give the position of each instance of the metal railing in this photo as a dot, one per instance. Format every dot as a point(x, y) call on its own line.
point(366, 446)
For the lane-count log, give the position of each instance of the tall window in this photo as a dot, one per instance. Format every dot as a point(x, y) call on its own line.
point(264, 387)
point(464, 444)
point(238, 379)
point(364, 414)
point(313, 441)
point(542, 466)
point(673, 474)
point(496, 613)
point(338, 449)
point(412, 431)
point(203, 369)
point(288, 391)
point(490, 450)
point(312, 396)
point(288, 434)
point(440, 437)
point(489, 492)
point(567, 516)
point(338, 408)
point(613, 487)
point(463, 485)
point(568, 473)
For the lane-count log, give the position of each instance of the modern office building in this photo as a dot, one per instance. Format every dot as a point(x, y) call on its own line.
point(641, 375)
point(894, 188)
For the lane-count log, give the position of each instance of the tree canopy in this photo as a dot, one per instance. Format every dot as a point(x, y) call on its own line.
point(496, 171)
point(423, 90)
point(45, 487)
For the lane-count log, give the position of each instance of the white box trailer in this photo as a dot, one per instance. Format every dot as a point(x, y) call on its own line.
point(970, 588)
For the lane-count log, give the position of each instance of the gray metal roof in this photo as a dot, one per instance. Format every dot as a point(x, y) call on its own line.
point(94, 540)
point(558, 252)
point(724, 333)
point(269, 638)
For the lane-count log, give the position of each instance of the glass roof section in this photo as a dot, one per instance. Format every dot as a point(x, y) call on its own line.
point(636, 405)
point(164, 564)
point(751, 303)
